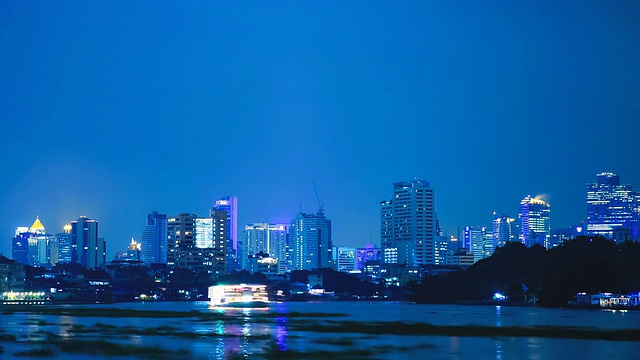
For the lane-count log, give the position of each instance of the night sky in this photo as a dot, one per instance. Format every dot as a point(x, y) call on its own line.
point(114, 109)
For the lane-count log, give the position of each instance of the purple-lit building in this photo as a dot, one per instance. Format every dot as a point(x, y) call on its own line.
point(367, 253)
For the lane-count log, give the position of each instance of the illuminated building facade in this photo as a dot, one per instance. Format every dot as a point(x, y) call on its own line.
point(475, 237)
point(408, 224)
point(198, 244)
point(535, 219)
point(368, 253)
point(180, 236)
point(229, 204)
point(153, 243)
point(344, 258)
point(505, 229)
point(611, 206)
point(312, 245)
point(269, 239)
point(86, 247)
point(64, 244)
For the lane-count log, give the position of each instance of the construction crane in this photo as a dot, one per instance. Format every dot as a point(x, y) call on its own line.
point(320, 204)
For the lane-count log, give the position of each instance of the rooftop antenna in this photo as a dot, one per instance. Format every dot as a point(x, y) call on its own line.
point(320, 204)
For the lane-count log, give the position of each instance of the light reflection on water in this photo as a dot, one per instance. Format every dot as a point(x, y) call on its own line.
point(246, 336)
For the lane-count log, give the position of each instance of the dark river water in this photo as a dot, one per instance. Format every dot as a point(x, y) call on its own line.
point(250, 336)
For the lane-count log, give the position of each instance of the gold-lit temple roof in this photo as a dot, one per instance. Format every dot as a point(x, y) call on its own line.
point(37, 226)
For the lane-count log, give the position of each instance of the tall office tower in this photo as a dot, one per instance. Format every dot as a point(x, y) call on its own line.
point(535, 217)
point(409, 224)
point(20, 245)
point(474, 238)
point(234, 251)
point(86, 247)
point(219, 244)
point(153, 242)
point(503, 229)
point(312, 246)
point(344, 258)
point(64, 244)
point(180, 236)
point(278, 247)
point(256, 240)
point(487, 243)
point(611, 206)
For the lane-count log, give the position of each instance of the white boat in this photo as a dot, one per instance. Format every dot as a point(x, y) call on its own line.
point(239, 295)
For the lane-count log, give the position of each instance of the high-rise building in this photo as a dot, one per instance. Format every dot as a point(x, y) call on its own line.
point(180, 236)
point(197, 243)
point(312, 245)
point(611, 206)
point(86, 247)
point(153, 242)
point(64, 244)
point(256, 240)
point(408, 224)
point(344, 258)
point(279, 247)
point(20, 245)
point(504, 229)
point(535, 218)
point(234, 250)
point(474, 237)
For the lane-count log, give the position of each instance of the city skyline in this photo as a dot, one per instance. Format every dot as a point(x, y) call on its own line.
point(488, 222)
point(115, 110)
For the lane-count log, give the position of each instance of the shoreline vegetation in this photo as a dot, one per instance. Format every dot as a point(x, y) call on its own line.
point(101, 339)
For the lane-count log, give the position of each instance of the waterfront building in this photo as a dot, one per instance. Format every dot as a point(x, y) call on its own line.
point(312, 245)
point(408, 224)
point(368, 253)
point(264, 264)
point(153, 243)
point(12, 275)
point(234, 251)
point(86, 247)
point(280, 247)
point(611, 206)
point(344, 258)
point(535, 219)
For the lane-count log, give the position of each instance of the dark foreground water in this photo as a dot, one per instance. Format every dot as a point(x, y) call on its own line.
point(252, 334)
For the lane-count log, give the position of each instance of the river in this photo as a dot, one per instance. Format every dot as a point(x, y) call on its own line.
point(280, 330)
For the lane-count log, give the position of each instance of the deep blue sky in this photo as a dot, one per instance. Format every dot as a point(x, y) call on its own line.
point(115, 109)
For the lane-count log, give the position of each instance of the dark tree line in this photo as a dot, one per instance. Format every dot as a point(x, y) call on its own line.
point(586, 264)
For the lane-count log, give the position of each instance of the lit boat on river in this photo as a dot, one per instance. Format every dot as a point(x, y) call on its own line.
point(239, 295)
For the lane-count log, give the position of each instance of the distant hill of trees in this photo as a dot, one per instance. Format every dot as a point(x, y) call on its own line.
point(586, 264)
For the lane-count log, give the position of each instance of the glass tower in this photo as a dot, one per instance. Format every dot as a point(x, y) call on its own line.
point(535, 217)
point(611, 206)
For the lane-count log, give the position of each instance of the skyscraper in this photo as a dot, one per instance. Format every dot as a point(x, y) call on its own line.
point(153, 242)
point(611, 206)
point(504, 229)
point(408, 224)
point(535, 217)
point(86, 247)
point(234, 251)
point(64, 244)
point(312, 243)
point(180, 237)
